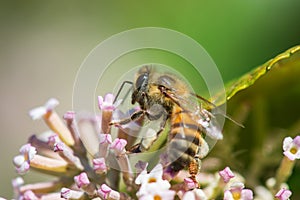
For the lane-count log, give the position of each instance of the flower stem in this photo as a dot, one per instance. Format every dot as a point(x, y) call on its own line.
point(283, 172)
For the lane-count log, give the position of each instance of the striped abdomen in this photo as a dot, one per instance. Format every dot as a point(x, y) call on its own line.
point(185, 139)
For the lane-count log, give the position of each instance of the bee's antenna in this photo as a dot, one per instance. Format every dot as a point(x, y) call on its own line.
point(205, 100)
point(120, 89)
point(235, 122)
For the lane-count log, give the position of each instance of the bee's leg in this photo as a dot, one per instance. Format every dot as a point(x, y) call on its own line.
point(133, 117)
point(146, 143)
point(195, 164)
point(194, 168)
point(162, 125)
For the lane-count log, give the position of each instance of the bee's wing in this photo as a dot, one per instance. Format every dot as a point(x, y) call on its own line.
point(204, 117)
point(198, 107)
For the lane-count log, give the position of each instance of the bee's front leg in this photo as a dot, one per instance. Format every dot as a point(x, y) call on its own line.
point(145, 144)
point(133, 117)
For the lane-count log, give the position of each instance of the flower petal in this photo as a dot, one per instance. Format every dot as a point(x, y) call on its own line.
point(226, 174)
point(287, 143)
point(283, 194)
point(246, 194)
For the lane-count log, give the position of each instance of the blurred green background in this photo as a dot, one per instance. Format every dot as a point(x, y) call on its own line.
point(43, 43)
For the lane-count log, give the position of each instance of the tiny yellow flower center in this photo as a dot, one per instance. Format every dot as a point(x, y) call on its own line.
point(293, 150)
point(152, 180)
point(236, 195)
point(157, 197)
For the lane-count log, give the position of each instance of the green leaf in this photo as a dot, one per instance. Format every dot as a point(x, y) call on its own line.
point(266, 101)
point(288, 59)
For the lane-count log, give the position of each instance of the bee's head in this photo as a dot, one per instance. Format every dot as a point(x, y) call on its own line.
point(140, 88)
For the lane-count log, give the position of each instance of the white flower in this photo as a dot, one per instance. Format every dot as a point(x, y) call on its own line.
point(159, 195)
point(196, 194)
point(237, 192)
point(291, 147)
point(152, 182)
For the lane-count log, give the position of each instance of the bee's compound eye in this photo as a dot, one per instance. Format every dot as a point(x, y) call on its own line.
point(141, 81)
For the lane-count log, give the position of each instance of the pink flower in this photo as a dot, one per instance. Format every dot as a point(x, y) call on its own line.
point(226, 174)
point(283, 194)
point(99, 165)
point(81, 180)
point(17, 184)
point(21, 164)
point(59, 146)
point(39, 112)
point(237, 192)
point(71, 156)
point(291, 147)
point(28, 151)
point(67, 193)
point(119, 145)
point(53, 121)
point(105, 192)
point(107, 103)
point(190, 184)
point(70, 115)
point(29, 195)
point(105, 139)
point(52, 139)
point(22, 161)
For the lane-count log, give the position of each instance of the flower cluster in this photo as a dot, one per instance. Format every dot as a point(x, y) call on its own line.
point(76, 151)
point(90, 161)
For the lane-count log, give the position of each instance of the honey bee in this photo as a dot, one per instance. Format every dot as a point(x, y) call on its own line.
point(167, 97)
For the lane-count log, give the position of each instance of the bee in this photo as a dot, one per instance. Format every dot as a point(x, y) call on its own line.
point(167, 97)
